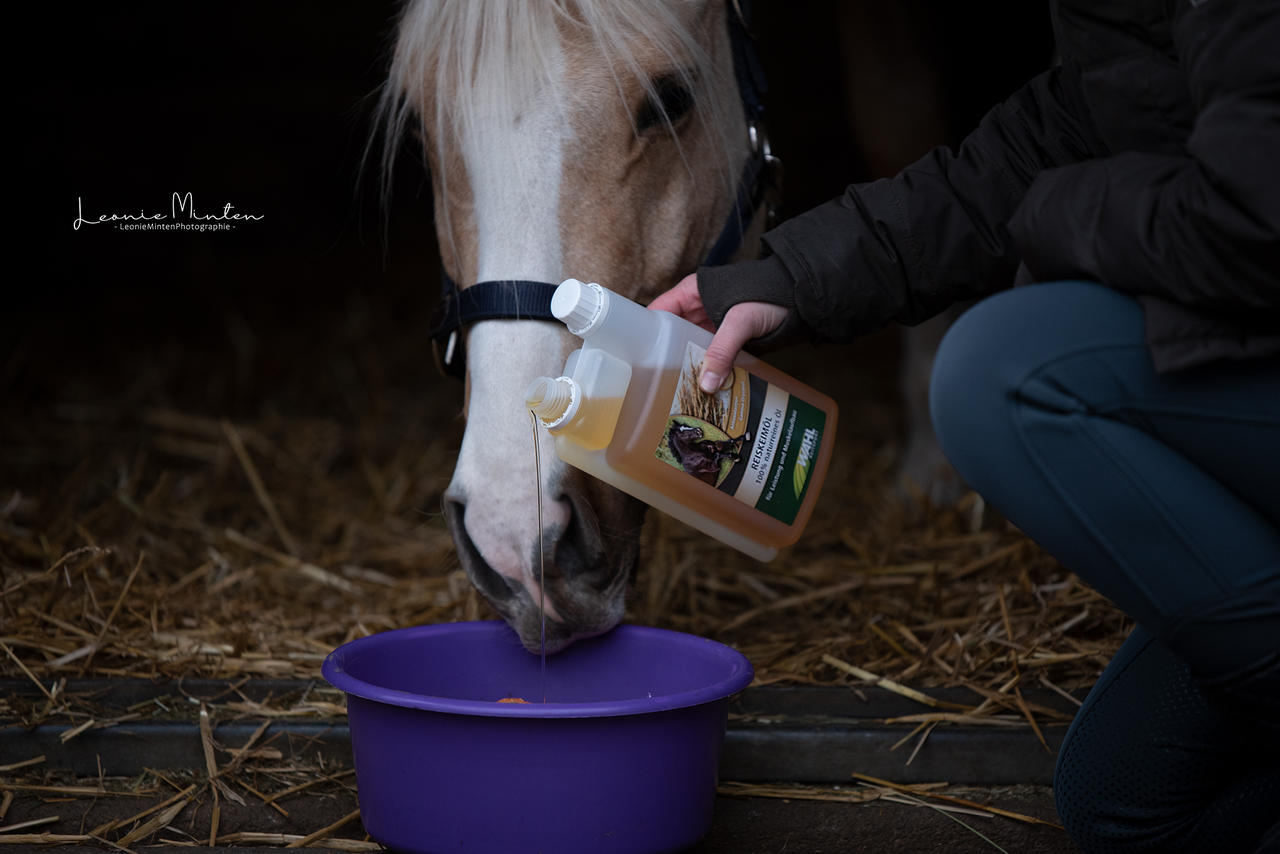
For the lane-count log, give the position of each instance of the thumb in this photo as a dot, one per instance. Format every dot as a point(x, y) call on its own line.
point(742, 322)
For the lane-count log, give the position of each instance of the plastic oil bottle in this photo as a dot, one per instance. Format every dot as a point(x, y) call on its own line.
point(744, 465)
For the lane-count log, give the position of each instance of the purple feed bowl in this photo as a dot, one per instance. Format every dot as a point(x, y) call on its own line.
point(621, 758)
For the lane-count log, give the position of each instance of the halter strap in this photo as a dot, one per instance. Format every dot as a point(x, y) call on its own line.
point(516, 299)
point(501, 299)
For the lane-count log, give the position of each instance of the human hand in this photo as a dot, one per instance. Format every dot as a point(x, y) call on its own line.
point(742, 322)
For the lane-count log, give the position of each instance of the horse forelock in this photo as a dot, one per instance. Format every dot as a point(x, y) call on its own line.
point(459, 63)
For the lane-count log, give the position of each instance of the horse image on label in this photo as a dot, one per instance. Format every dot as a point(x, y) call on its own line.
point(700, 455)
point(701, 449)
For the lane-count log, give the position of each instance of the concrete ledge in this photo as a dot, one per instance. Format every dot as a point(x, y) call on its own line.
point(775, 733)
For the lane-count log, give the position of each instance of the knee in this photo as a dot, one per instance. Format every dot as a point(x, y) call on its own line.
point(1087, 809)
point(989, 353)
point(1103, 801)
point(1075, 801)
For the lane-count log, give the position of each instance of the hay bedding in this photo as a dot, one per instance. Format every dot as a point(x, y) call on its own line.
point(162, 543)
point(170, 544)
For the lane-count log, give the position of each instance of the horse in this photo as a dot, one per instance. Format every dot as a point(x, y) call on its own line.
point(608, 140)
point(617, 141)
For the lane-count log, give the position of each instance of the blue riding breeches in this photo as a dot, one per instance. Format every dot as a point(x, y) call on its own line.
point(1162, 491)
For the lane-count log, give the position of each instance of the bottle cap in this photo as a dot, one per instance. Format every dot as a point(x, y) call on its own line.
point(554, 401)
point(578, 304)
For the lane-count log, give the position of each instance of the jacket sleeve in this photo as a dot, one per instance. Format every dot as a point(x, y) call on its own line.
point(905, 248)
point(1200, 228)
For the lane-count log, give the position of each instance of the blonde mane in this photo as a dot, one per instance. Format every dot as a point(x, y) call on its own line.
point(488, 57)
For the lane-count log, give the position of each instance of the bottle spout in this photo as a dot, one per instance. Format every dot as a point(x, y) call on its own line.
point(553, 401)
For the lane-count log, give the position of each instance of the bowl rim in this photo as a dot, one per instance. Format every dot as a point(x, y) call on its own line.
point(739, 675)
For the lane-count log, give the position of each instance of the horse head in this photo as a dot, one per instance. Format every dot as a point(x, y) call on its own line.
point(598, 139)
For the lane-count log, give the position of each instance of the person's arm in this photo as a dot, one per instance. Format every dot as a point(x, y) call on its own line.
point(903, 249)
point(899, 249)
point(1201, 227)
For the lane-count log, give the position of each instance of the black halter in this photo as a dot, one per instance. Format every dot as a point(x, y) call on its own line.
point(525, 300)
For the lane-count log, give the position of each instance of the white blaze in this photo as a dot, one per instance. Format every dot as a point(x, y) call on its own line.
point(513, 164)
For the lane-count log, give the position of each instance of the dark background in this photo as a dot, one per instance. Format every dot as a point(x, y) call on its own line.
point(267, 106)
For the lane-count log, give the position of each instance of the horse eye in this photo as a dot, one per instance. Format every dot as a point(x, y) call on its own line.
point(671, 101)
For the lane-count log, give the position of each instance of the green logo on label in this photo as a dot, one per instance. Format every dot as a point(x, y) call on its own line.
point(808, 444)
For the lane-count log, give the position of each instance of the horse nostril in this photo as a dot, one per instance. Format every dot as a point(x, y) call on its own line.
point(495, 586)
point(577, 549)
point(556, 515)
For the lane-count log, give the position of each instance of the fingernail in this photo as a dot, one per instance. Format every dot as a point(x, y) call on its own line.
point(709, 381)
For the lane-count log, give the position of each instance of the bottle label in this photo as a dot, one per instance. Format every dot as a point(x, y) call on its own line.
point(752, 439)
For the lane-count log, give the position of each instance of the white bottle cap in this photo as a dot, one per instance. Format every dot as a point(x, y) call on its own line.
point(554, 401)
point(578, 304)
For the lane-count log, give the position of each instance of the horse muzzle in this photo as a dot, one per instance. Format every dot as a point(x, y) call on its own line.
point(584, 581)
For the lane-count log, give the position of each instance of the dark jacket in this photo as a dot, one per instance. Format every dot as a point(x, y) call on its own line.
point(1148, 160)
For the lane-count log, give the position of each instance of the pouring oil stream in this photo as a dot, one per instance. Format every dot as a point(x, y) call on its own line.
point(542, 568)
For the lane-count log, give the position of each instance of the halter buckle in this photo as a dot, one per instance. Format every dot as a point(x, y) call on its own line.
point(768, 191)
